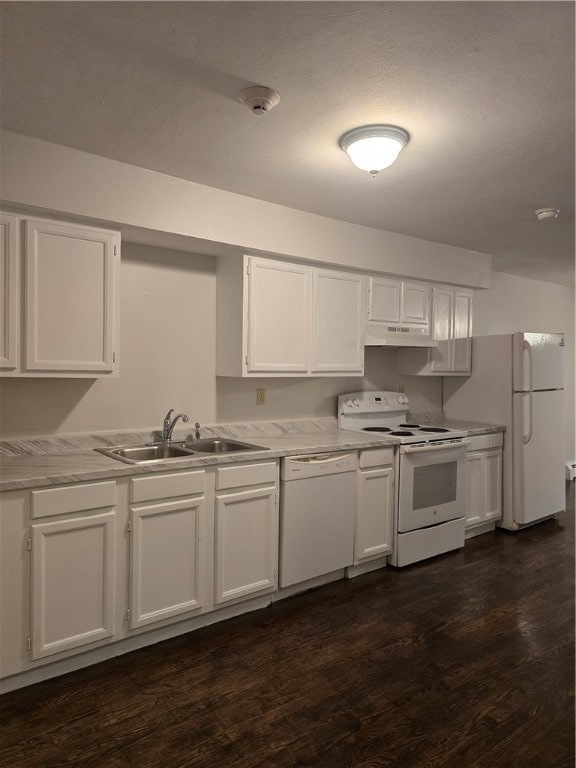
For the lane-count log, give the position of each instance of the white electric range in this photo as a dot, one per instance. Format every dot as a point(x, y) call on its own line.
point(429, 518)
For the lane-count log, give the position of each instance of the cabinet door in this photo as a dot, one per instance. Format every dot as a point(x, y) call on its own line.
point(337, 323)
point(9, 292)
point(475, 488)
point(493, 485)
point(385, 297)
point(373, 534)
point(415, 304)
point(70, 297)
point(278, 296)
point(462, 332)
point(441, 356)
point(72, 583)
point(165, 560)
point(246, 543)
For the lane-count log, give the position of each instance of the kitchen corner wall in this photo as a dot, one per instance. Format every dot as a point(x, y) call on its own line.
point(168, 361)
point(519, 304)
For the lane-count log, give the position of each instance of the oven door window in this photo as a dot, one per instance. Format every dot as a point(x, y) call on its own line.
point(435, 485)
point(432, 488)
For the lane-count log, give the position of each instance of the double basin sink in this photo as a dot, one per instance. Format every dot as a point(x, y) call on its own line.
point(141, 454)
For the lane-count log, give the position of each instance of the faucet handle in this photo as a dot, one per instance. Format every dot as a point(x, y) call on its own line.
point(168, 416)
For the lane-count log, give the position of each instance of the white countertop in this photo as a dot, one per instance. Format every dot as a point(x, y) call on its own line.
point(41, 462)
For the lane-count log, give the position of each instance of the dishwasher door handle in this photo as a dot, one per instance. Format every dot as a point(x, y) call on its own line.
point(322, 458)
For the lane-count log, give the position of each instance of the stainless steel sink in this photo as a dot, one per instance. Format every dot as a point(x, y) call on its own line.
point(147, 454)
point(220, 445)
point(141, 454)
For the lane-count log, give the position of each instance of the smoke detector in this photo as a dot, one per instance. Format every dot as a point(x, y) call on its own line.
point(547, 213)
point(259, 99)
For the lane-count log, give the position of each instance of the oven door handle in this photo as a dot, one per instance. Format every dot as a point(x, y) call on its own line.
point(426, 448)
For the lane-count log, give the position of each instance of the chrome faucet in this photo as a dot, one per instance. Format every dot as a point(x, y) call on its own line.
point(197, 431)
point(170, 423)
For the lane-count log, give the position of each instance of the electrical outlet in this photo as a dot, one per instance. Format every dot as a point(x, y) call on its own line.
point(260, 397)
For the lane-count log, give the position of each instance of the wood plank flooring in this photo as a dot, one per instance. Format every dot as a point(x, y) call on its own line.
point(464, 661)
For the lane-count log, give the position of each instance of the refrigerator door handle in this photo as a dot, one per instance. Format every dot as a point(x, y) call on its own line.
point(528, 349)
point(528, 437)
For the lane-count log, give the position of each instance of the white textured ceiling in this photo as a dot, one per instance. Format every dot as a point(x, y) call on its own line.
point(485, 89)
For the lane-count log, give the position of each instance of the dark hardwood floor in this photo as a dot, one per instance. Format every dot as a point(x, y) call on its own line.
point(464, 661)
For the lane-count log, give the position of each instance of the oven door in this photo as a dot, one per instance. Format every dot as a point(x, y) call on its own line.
point(432, 485)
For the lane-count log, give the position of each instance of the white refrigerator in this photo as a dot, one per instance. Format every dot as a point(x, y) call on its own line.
point(517, 380)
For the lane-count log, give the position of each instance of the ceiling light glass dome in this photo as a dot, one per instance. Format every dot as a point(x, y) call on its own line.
point(374, 147)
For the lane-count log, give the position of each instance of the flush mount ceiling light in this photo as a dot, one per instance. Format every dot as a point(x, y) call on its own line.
point(547, 213)
point(374, 147)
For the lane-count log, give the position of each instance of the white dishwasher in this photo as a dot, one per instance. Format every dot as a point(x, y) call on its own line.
point(317, 513)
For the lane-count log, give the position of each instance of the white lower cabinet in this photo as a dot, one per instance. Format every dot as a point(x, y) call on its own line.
point(484, 483)
point(246, 532)
point(373, 532)
point(72, 596)
point(166, 533)
point(88, 570)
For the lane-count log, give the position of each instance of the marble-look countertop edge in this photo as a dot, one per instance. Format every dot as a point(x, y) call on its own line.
point(42, 470)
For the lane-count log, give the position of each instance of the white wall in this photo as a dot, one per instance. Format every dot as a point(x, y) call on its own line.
point(518, 304)
point(168, 360)
point(65, 181)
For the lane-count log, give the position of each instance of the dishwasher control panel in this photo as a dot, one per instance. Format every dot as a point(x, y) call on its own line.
point(318, 465)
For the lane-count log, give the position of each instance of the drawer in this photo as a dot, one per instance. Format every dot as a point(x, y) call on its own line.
point(484, 442)
point(376, 457)
point(246, 474)
point(167, 486)
point(73, 498)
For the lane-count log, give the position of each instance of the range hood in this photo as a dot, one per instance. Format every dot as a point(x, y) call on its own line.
point(397, 336)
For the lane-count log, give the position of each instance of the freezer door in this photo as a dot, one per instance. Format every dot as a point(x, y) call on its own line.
point(538, 361)
point(538, 455)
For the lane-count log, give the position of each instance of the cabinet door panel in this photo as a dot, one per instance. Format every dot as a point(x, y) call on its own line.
point(246, 543)
point(72, 583)
point(441, 356)
point(165, 561)
point(337, 325)
point(385, 296)
point(475, 488)
point(493, 485)
point(278, 317)
point(9, 292)
point(462, 331)
point(415, 303)
point(70, 273)
point(375, 506)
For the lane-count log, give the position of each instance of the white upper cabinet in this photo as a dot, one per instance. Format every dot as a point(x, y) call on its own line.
point(70, 285)
point(70, 291)
point(9, 292)
point(278, 317)
point(452, 329)
point(275, 318)
point(400, 302)
point(385, 296)
point(337, 323)
point(415, 306)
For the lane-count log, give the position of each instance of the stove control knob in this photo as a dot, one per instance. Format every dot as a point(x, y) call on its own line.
point(348, 403)
point(356, 402)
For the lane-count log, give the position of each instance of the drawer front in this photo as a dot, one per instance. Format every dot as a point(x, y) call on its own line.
point(376, 457)
point(485, 442)
point(247, 474)
point(167, 486)
point(73, 498)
